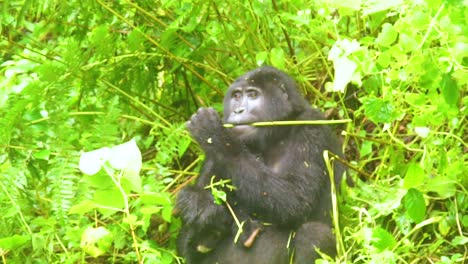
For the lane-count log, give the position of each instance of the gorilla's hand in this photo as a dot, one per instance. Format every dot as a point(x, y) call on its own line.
point(207, 129)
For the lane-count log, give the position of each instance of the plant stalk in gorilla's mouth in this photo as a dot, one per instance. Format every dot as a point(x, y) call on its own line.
point(291, 123)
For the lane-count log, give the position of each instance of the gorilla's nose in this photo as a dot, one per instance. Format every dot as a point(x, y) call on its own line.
point(239, 110)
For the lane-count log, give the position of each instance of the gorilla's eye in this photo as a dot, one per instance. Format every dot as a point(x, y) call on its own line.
point(236, 95)
point(252, 94)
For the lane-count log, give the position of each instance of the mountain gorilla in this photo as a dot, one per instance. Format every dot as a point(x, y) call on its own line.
point(282, 187)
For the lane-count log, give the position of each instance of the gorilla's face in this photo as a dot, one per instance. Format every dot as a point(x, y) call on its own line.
point(244, 105)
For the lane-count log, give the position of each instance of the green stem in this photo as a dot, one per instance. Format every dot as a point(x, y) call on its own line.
point(293, 123)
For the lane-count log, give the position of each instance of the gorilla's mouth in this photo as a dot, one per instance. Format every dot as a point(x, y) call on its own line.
point(243, 130)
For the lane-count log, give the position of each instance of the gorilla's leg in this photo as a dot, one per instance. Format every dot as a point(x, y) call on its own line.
point(270, 247)
point(313, 235)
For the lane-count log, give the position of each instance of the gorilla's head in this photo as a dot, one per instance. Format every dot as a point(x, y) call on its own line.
point(263, 94)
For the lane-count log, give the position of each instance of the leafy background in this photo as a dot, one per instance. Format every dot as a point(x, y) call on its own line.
point(82, 75)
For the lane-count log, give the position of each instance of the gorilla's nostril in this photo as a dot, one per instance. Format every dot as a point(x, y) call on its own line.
point(239, 110)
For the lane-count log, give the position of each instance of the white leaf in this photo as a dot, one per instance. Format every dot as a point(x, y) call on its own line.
point(91, 162)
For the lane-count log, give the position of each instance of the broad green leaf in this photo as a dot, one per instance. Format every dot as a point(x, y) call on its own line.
point(415, 205)
point(13, 242)
point(443, 185)
point(460, 240)
point(167, 213)
point(109, 198)
point(382, 239)
point(407, 43)
point(156, 198)
point(371, 7)
point(43, 154)
point(414, 176)
point(136, 40)
point(366, 148)
point(261, 57)
point(387, 36)
point(82, 207)
point(277, 58)
point(450, 90)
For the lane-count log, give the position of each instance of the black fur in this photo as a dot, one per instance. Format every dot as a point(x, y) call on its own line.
point(279, 174)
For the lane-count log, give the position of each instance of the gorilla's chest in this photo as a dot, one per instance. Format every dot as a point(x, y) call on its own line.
point(275, 159)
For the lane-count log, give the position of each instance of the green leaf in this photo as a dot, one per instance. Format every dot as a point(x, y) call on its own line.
point(407, 43)
point(379, 110)
point(82, 207)
point(43, 154)
point(382, 239)
point(261, 57)
point(277, 58)
point(450, 90)
point(13, 242)
point(415, 205)
point(445, 186)
point(460, 240)
point(131, 219)
point(366, 148)
point(414, 176)
point(167, 213)
point(96, 241)
point(387, 36)
point(109, 198)
point(156, 199)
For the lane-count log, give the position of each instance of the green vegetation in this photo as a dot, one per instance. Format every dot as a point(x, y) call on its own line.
point(77, 76)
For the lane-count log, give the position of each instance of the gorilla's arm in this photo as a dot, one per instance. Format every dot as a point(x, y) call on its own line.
point(196, 204)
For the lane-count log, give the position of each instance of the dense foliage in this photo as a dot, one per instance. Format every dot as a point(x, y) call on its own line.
point(77, 76)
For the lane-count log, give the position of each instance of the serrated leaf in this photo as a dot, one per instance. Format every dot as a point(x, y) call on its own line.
point(382, 239)
point(415, 205)
point(414, 176)
point(379, 110)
